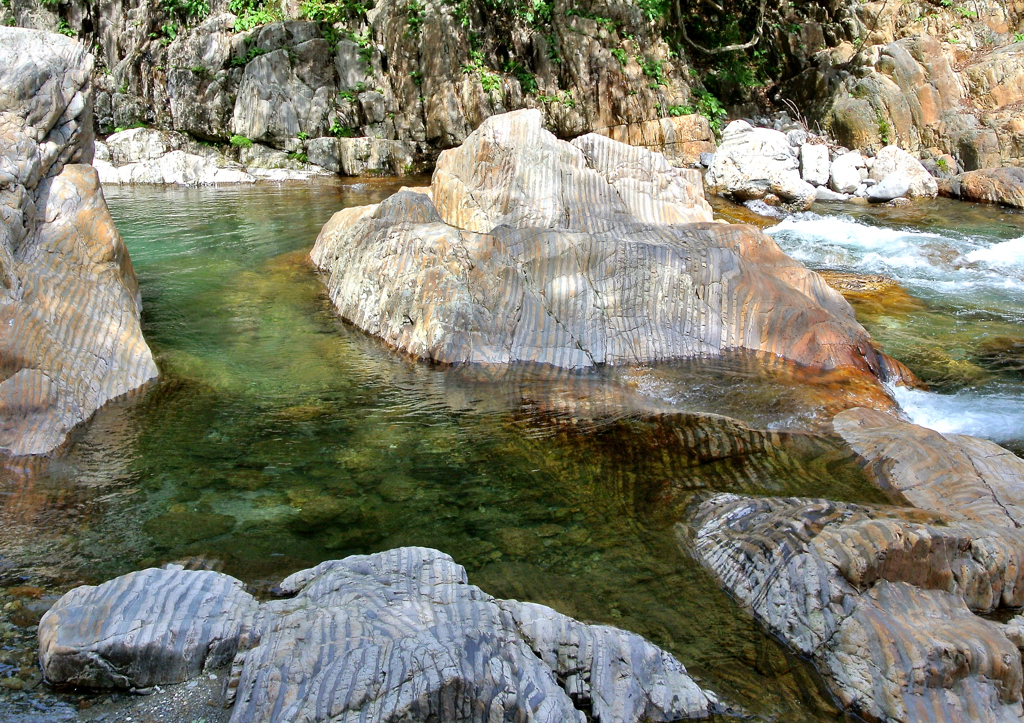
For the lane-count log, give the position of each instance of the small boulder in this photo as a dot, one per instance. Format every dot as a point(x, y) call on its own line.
point(754, 162)
point(895, 185)
point(814, 164)
point(990, 185)
point(151, 627)
point(846, 172)
point(890, 160)
point(824, 193)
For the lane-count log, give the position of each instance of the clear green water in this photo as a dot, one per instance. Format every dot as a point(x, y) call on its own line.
point(279, 437)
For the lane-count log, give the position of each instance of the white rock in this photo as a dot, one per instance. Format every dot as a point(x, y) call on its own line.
point(176, 168)
point(846, 172)
point(895, 185)
point(754, 162)
point(824, 193)
point(814, 164)
point(892, 159)
point(138, 144)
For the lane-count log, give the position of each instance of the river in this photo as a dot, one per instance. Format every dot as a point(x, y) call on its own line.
point(278, 436)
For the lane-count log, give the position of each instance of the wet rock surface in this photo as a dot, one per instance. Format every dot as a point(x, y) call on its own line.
point(395, 635)
point(594, 249)
point(953, 474)
point(882, 600)
point(68, 294)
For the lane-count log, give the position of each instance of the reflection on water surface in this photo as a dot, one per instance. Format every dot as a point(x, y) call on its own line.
point(279, 436)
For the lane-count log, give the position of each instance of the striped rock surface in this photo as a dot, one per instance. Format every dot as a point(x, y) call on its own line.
point(882, 599)
point(528, 248)
point(69, 301)
point(401, 635)
point(146, 628)
point(952, 474)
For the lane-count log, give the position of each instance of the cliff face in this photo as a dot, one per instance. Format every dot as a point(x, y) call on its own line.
point(415, 78)
point(69, 301)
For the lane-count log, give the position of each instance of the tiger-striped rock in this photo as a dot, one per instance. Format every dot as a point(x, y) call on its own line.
point(69, 300)
point(528, 248)
point(401, 635)
point(150, 627)
point(952, 474)
point(882, 599)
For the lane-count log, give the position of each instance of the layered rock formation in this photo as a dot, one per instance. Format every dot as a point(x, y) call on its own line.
point(407, 79)
point(69, 300)
point(954, 474)
point(399, 635)
point(574, 254)
point(882, 600)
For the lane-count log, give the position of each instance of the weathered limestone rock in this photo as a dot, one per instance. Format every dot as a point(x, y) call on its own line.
point(532, 249)
point(955, 475)
point(895, 185)
point(150, 627)
point(176, 168)
point(814, 164)
point(848, 171)
point(880, 598)
point(360, 156)
point(754, 162)
point(286, 92)
point(993, 185)
point(890, 160)
point(401, 635)
point(681, 139)
point(69, 301)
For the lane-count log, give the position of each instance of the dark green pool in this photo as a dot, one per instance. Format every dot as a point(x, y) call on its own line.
point(279, 437)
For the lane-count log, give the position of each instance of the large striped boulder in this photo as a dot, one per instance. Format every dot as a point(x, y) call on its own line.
point(526, 248)
point(70, 334)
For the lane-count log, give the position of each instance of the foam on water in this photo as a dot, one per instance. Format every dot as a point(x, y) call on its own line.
point(968, 271)
point(999, 417)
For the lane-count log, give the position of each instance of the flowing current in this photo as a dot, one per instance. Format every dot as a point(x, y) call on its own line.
point(961, 324)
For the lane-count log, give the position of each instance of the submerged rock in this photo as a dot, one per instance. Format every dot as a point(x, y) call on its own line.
point(69, 300)
point(881, 599)
point(574, 254)
point(399, 635)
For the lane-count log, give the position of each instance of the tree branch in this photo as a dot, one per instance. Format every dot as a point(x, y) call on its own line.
point(725, 48)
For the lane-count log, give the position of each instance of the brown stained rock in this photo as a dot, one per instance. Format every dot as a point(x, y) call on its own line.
point(680, 139)
point(69, 300)
point(991, 185)
point(964, 477)
point(574, 255)
point(881, 599)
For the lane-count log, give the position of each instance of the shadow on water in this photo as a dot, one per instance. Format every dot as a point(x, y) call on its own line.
point(279, 437)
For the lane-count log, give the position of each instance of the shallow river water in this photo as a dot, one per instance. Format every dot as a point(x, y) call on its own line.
point(279, 436)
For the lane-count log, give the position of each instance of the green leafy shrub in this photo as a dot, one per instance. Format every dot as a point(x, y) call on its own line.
point(711, 108)
point(653, 9)
point(620, 55)
point(65, 29)
point(335, 11)
point(527, 81)
point(297, 156)
point(340, 131)
point(415, 10)
point(654, 71)
point(253, 52)
point(303, 136)
point(191, 9)
point(1018, 38)
point(240, 142)
point(252, 13)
